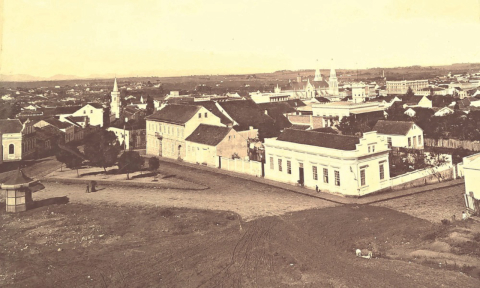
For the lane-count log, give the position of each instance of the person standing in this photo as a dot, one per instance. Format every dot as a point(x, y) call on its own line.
point(88, 188)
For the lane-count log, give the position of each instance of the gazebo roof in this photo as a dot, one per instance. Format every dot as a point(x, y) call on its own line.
point(17, 180)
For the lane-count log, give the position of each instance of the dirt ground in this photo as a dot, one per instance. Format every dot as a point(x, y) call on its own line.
point(433, 206)
point(236, 233)
point(76, 245)
point(248, 203)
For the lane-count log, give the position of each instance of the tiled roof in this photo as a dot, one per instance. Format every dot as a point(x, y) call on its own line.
point(66, 110)
point(277, 111)
point(296, 103)
point(328, 130)
point(246, 113)
point(18, 178)
point(393, 127)
point(8, 126)
point(320, 84)
point(96, 105)
point(212, 107)
point(322, 99)
point(300, 127)
point(77, 118)
point(208, 134)
point(174, 113)
point(326, 140)
point(57, 123)
point(46, 132)
point(280, 107)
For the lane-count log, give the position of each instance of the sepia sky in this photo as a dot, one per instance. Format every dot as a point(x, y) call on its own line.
point(183, 37)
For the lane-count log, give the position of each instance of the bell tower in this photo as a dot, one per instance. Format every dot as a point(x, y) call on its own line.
point(115, 103)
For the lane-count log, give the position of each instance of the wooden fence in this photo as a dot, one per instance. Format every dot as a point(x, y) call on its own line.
point(453, 143)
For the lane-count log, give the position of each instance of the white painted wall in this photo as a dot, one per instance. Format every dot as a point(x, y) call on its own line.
point(95, 116)
point(347, 163)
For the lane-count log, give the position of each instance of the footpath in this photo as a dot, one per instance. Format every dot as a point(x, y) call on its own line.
point(335, 198)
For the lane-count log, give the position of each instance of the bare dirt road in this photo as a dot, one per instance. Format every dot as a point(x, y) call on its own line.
point(131, 237)
point(75, 245)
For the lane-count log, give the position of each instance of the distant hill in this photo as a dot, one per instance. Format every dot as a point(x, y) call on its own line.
point(392, 73)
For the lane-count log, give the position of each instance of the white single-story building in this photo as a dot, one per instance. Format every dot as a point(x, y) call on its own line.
point(348, 165)
point(444, 111)
point(400, 133)
point(209, 142)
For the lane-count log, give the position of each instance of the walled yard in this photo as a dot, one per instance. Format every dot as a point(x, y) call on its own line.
point(236, 233)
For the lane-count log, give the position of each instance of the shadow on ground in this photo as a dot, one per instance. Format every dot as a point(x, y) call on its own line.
point(152, 174)
point(48, 202)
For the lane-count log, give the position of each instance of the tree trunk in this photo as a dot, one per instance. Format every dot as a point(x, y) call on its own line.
point(128, 176)
point(61, 167)
point(78, 176)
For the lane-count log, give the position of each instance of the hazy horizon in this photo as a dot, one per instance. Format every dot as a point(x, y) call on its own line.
point(44, 38)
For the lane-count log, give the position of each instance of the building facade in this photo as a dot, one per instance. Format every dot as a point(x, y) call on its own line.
point(344, 109)
point(207, 143)
point(400, 134)
point(335, 163)
point(168, 128)
point(401, 87)
point(93, 111)
point(18, 140)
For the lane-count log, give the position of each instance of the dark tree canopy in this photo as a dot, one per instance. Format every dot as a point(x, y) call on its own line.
point(150, 105)
point(153, 163)
point(130, 161)
point(70, 159)
point(102, 149)
point(352, 126)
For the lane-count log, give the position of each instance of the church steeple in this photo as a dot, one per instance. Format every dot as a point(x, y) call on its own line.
point(115, 101)
point(115, 86)
point(333, 82)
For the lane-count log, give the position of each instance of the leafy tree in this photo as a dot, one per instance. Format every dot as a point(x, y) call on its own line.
point(396, 113)
point(130, 161)
point(62, 156)
point(70, 159)
point(74, 163)
point(106, 117)
point(102, 149)
point(150, 105)
point(409, 93)
point(352, 126)
point(153, 164)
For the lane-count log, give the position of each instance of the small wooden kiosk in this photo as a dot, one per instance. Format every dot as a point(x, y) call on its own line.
point(18, 192)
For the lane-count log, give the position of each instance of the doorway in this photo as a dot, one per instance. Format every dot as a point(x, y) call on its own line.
point(300, 175)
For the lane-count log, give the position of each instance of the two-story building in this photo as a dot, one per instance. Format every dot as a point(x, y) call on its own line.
point(94, 112)
point(17, 139)
point(405, 134)
point(348, 165)
point(344, 109)
point(168, 128)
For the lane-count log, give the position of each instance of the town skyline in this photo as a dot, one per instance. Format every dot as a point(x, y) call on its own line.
point(50, 37)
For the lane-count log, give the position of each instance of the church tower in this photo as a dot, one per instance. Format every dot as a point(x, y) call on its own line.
point(333, 82)
point(115, 101)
